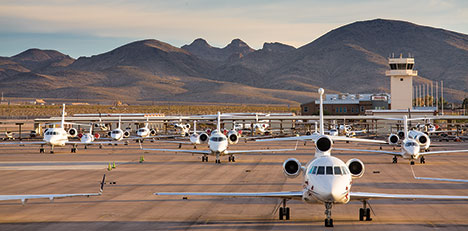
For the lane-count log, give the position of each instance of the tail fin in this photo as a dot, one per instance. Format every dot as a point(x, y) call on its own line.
point(322, 130)
point(219, 122)
point(62, 124)
point(194, 127)
point(405, 125)
point(120, 120)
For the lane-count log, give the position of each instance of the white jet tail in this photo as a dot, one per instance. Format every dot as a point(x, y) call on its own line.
point(120, 120)
point(219, 122)
point(322, 130)
point(62, 124)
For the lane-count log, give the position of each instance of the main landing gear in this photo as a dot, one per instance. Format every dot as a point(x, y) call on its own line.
point(328, 220)
point(364, 212)
point(41, 150)
point(412, 162)
point(204, 158)
point(232, 159)
point(284, 212)
point(73, 150)
point(218, 161)
point(395, 160)
point(422, 160)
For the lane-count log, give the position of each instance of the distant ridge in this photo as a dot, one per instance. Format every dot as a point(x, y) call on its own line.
point(351, 58)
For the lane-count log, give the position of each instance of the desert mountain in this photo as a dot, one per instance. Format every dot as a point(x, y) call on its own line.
point(351, 58)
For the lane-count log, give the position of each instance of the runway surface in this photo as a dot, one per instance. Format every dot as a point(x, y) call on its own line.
point(129, 204)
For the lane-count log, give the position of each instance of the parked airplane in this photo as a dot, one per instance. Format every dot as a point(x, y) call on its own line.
point(53, 137)
point(410, 147)
point(25, 198)
point(327, 180)
point(218, 145)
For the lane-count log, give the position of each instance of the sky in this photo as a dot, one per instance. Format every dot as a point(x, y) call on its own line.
point(90, 27)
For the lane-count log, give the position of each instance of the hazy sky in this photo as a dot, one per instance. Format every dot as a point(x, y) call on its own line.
point(88, 27)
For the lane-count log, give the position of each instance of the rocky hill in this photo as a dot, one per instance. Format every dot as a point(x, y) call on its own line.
point(352, 58)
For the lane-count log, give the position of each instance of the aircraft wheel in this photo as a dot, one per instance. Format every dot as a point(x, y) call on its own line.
point(361, 214)
point(51, 152)
point(233, 159)
point(395, 160)
point(287, 213)
point(412, 162)
point(281, 213)
point(41, 150)
point(368, 215)
point(422, 160)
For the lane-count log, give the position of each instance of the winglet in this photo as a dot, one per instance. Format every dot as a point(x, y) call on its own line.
point(103, 182)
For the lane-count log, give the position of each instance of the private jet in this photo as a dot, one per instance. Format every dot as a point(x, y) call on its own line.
point(410, 147)
point(327, 181)
point(218, 146)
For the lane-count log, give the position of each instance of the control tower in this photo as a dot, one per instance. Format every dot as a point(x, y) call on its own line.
point(401, 82)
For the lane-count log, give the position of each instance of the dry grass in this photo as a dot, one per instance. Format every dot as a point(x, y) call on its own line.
point(35, 111)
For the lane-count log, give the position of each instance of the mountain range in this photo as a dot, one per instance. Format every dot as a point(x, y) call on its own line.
point(351, 58)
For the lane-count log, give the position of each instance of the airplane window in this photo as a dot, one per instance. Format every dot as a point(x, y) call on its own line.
point(214, 139)
point(321, 170)
point(314, 170)
point(329, 170)
point(222, 138)
point(337, 170)
point(409, 144)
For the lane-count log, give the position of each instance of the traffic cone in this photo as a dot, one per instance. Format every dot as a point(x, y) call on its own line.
point(113, 164)
point(109, 167)
point(142, 159)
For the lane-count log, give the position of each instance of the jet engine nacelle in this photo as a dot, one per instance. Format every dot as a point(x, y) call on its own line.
point(401, 135)
point(393, 139)
point(72, 132)
point(152, 132)
point(356, 168)
point(203, 137)
point(323, 144)
point(233, 137)
point(292, 167)
point(126, 134)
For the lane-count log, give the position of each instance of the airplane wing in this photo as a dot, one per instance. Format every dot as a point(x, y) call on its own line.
point(258, 151)
point(373, 151)
point(441, 152)
point(24, 143)
point(179, 150)
point(344, 138)
point(438, 179)
point(295, 195)
point(359, 196)
point(25, 198)
point(292, 138)
point(174, 141)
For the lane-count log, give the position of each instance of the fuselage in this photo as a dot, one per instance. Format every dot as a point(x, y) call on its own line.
point(87, 138)
point(117, 134)
point(218, 143)
point(327, 179)
point(410, 149)
point(143, 132)
point(56, 136)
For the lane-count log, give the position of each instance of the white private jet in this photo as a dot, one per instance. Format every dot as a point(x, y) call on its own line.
point(53, 137)
point(196, 138)
point(51, 197)
point(218, 146)
point(410, 147)
point(327, 180)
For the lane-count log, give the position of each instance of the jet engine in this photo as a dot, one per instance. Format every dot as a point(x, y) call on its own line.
point(401, 134)
point(292, 168)
point(308, 133)
point(323, 144)
point(422, 138)
point(203, 137)
point(356, 168)
point(72, 132)
point(233, 138)
point(393, 139)
point(126, 134)
point(152, 132)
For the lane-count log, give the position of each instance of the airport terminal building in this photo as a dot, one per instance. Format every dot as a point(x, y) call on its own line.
point(348, 104)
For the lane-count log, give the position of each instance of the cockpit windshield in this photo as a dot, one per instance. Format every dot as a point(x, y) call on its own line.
point(116, 132)
point(217, 138)
point(410, 144)
point(329, 170)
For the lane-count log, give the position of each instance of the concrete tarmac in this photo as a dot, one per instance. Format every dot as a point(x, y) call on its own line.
point(129, 204)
